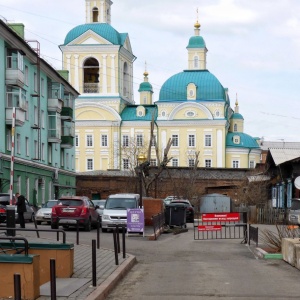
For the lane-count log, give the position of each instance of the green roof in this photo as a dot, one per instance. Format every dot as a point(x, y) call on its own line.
point(196, 42)
point(237, 116)
point(208, 86)
point(246, 141)
point(129, 113)
point(103, 29)
point(145, 87)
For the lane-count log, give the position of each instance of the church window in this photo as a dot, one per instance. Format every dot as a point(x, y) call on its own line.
point(196, 62)
point(207, 140)
point(153, 162)
point(191, 162)
point(140, 113)
point(90, 164)
point(91, 75)
point(125, 140)
point(175, 142)
point(191, 91)
point(217, 113)
point(208, 163)
point(190, 114)
point(104, 140)
point(236, 139)
point(163, 113)
point(139, 140)
point(95, 14)
point(175, 162)
point(145, 99)
point(235, 127)
point(252, 164)
point(125, 80)
point(235, 164)
point(191, 140)
point(125, 163)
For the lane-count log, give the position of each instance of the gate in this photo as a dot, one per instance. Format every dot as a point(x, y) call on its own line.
point(212, 226)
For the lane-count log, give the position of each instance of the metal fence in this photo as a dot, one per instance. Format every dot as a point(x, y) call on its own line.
point(158, 223)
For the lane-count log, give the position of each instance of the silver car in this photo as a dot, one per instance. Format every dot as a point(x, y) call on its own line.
point(101, 204)
point(44, 213)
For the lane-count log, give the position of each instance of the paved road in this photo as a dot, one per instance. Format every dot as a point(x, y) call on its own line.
point(178, 267)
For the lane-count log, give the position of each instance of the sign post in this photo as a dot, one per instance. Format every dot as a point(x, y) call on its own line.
point(135, 220)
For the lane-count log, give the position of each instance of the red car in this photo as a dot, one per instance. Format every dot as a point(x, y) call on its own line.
point(71, 210)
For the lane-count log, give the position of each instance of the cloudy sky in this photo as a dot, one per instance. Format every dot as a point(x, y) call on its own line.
point(253, 48)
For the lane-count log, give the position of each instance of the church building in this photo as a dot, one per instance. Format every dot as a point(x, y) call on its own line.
point(192, 110)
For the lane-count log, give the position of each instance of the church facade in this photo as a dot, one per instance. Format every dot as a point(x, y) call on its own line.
point(193, 110)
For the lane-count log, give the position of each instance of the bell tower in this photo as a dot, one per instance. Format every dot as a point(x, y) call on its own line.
point(98, 11)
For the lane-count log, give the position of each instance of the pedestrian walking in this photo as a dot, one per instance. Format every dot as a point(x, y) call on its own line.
point(21, 208)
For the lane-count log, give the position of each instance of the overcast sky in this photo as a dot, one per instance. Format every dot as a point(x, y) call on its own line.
point(253, 48)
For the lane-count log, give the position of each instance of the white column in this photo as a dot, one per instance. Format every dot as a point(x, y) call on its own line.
point(88, 13)
point(104, 75)
point(113, 75)
point(121, 77)
point(130, 85)
point(102, 12)
point(76, 78)
point(68, 56)
point(220, 144)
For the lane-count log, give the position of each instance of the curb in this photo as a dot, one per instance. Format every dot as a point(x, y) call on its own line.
point(262, 254)
point(112, 280)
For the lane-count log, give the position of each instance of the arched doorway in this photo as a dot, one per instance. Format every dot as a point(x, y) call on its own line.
point(91, 76)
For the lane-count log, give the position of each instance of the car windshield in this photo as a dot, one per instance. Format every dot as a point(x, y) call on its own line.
point(99, 202)
point(69, 202)
point(120, 203)
point(49, 204)
point(295, 205)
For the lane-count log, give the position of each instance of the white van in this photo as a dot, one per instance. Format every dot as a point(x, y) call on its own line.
point(115, 209)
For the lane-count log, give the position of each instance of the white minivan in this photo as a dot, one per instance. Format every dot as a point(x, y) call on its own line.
point(115, 209)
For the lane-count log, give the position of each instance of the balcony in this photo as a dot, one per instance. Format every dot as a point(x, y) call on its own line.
point(91, 88)
point(54, 127)
point(14, 69)
point(68, 134)
point(55, 105)
point(15, 97)
point(67, 113)
point(55, 96)
point(54, 136)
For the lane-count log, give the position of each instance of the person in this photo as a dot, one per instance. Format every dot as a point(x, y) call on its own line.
point(21, 208)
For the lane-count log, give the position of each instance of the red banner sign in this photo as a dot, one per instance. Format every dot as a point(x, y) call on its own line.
point(209, 227)
point(225, 217)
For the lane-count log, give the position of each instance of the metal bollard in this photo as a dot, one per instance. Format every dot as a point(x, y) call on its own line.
point(98, 234)
point(94, 263)
point(77, 233)
point(115, 246)
point(17, 286)
point(123, 241)
point(118, 238)
point(52, 279)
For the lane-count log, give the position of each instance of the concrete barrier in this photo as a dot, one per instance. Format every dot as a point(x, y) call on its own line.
point(290, 249)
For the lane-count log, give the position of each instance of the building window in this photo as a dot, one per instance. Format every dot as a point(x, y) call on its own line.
point(217, 113)
point(76, 140)
point(35, 82)
point(139, 140)
point(104, 142)
point(153, 162)
point(252, 164)
point(43, 119)
point(89, 140)
point(190, 114)
point(175, 162)
point(207, 140)
point(191, 140)
point(196, 62)
point(191, 162)
point(50, 153)
point(35, 116)
point(208, 163)
point(125, 163)
point(153, 141)
point(27, 146)
point(42, 87)
point(18, 143)
point(67, 161)
point(26, 111)
point(8, 140)
point(90, 164)
point(26, 75)
point(175, 140)
point(43, 151)
point(163, 113)
point(36, 150)
point(235, 164)
point(125, 140)
point(235, 127)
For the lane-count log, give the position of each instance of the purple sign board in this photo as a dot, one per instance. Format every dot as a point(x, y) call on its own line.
point(135, 220)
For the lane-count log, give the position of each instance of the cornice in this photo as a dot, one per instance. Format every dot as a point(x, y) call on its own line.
point(176, 123)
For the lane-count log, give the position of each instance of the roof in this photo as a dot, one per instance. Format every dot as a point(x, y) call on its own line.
point(196, 42)
point(129, 113)
point(145, 87)
point(237, 116)
point(265, 145)
point(102, 29)
point(281, 155)
point(208, 86)
point(246, 141)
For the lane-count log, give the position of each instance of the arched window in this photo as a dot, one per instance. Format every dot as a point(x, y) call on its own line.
point(235, 127)
point(95, 14)
point(91, 75)
point(196, 62)
point(125, 80)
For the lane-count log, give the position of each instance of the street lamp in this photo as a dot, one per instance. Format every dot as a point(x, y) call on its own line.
point(141, 164)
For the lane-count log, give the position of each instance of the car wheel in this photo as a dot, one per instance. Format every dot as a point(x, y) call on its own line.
point(38, 222)
point(88, 226)
point(54, 226)
point(104, 229)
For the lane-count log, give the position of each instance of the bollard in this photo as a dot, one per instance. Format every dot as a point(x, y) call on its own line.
point(11, 219)
point(115, 246)
point(52, 279)
point(118, 238)
point(35, 225)
point(123, 241)
point(98, 234)
point(77, 233)
point(94, 263)
point(17, 286)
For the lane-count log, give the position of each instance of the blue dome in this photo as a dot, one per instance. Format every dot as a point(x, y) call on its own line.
point(246, 141)
point(208, 86)
point(103, 29)
point(196, 42)
point(237, 116)
point(145, 87)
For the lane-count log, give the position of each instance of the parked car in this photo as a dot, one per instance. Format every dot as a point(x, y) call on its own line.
point(101, 204)
point(190, 212)
point(71, 210)
point(5, 200)
point(44, 213)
